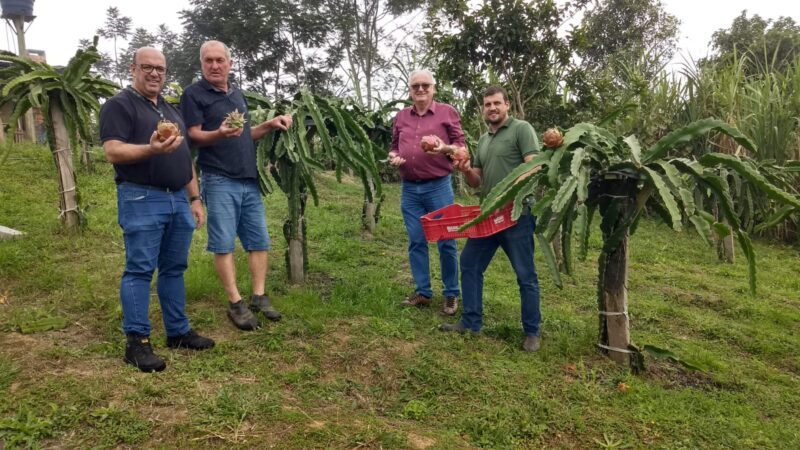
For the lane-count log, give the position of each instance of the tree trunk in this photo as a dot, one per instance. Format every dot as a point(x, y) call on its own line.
point(369, 214)
point(59, 145)
point(86, 158)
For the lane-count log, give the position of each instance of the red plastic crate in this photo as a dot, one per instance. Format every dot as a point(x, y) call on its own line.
point(443, 223)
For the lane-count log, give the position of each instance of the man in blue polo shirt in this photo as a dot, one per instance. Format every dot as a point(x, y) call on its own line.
point(227, 158)
point(159, 208)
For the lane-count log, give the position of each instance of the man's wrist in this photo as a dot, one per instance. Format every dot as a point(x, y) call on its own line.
point(194, 198)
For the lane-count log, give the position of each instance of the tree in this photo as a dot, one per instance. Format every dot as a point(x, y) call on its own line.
point(768, 43)
point(515, 44)
point(593, 170)
point(277, 46)
point(66, 98)
point(116, 27)
point(621, 47)
point(140, 38)
point(105, 65)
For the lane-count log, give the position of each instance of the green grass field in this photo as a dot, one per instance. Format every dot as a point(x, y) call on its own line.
point(349, 368)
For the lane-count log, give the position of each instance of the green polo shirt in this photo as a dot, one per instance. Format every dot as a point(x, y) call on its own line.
point(502, 151)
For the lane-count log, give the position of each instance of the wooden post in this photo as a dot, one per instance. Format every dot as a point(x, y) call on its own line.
point(614, 293)
point(28, 124)
point(66, 173)
point(617, 200)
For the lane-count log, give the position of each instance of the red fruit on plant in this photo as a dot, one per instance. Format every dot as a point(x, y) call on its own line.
point(428, 143)
point(553, 138)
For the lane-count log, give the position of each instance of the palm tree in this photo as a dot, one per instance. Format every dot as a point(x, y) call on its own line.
point(67, 99)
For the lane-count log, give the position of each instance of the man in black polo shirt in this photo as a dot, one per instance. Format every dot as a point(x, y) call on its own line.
point(156, 183)
point(227, 159)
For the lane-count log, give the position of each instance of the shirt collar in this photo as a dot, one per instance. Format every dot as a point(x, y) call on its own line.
point(431, 109)
point(504, 125)
point(210, 87)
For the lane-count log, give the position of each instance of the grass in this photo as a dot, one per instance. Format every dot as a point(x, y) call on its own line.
point(349, 368)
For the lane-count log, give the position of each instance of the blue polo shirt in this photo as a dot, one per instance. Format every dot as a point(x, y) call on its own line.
point(203, 104)
point(128, 117)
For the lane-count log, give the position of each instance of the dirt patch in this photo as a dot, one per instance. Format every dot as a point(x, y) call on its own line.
point(673, 376)
point(418, 442)
point(323, 284)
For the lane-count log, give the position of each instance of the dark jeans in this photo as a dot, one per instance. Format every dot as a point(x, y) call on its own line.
point(416, 200)
point(157, 227)
point(517, 242)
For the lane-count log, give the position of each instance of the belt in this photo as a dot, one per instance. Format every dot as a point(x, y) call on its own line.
point(156, 188)
point(423, 181)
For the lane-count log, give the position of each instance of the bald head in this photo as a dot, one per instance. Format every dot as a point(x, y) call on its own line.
point(151, 51)
point(148, 71)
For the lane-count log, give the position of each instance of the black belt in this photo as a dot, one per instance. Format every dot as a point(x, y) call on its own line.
point(423, 181)
point(157, 188)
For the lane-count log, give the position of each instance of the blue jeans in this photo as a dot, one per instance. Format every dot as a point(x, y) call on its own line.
point(234, 208)
point(416, 200)
point(157, 227)
point(517, 242)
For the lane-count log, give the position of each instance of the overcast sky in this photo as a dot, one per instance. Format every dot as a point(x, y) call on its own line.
point(59, 24)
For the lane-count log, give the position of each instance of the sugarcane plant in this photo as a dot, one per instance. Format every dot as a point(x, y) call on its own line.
point(67, 99)
point(320, 131)
point(591, 170)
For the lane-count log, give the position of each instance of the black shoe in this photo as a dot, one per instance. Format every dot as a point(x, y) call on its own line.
point(260, 303)
point(139, 353)
point(190, 340)
point(457, 327)
point(242, 317)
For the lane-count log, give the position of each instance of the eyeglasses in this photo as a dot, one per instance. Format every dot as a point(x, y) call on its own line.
point(147, 68)
point(423, 86)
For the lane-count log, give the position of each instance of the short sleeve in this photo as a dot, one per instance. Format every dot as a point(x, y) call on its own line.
point(116, 121)
point(527, 140)
point(190, 109)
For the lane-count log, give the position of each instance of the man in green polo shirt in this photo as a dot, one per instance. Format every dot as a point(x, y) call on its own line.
point(508, 143)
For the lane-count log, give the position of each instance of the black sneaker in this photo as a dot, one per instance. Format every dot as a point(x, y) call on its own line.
point(139, 353)
point(457, 327)
point(190, 340)
point(260, 303)
point(242, 317)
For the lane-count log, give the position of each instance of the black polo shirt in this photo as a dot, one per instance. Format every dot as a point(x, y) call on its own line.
point(203, 104)
point(128, 117)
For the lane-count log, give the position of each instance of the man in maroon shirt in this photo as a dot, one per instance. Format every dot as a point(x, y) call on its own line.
point(426, 184)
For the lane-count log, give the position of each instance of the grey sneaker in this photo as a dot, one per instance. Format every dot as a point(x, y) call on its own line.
point(532, 343)
point(450, 306)
point(242, 317)
point(260, 303)
point(457, 327)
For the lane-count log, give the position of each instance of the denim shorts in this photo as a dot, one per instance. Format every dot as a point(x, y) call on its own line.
point(234, 209)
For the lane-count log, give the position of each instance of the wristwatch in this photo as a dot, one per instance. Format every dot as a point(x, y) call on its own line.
point(194, 197)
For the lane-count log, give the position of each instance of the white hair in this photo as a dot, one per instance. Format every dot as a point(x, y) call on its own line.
point(422, 72)
point(207, 44)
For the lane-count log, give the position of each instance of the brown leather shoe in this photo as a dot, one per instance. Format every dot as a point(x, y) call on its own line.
point(417, 300)
point(450, 306)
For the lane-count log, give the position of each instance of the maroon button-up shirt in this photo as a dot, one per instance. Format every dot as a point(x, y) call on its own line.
point(441, 120)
